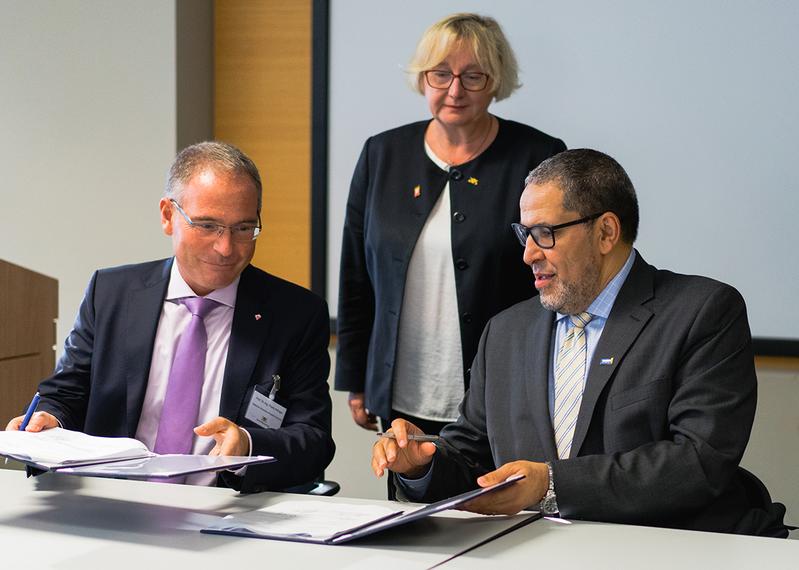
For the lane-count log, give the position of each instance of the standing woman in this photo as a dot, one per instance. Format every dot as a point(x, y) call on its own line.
point(428, 255)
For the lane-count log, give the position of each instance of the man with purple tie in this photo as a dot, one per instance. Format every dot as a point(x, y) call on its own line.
point(201, 353)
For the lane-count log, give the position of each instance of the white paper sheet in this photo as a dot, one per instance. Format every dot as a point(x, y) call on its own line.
point(56, 447)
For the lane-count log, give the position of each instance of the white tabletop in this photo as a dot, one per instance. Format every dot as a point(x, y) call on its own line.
point(75, 522)
point(601, 546)
point(84, 523)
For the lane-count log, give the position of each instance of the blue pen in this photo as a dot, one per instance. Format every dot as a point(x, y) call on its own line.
point(29, 413)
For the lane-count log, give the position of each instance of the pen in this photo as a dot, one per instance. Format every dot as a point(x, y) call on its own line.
point(29, 412)
point(411, 436)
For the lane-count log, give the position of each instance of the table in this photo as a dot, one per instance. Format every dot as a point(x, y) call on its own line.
point(67, 522)
point(64, 521)
point(604, 546)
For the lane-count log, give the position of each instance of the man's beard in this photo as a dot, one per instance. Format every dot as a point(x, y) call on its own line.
point(573, 298)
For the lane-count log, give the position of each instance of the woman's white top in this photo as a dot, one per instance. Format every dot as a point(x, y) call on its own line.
point(428, 375)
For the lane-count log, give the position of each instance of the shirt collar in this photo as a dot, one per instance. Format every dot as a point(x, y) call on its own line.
point(601, 306)
point(178, 289)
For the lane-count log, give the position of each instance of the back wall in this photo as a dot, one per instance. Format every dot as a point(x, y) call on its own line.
point(88, 117)
point(697, 100)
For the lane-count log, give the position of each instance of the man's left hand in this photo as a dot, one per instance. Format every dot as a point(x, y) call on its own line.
point(510, 500)
point(228, 437)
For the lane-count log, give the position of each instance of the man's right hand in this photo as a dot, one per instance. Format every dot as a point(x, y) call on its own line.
point(360, 414)
point(39, 421)
point(400, 454)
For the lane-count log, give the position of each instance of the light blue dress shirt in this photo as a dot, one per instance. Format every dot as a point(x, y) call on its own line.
point(599, 310)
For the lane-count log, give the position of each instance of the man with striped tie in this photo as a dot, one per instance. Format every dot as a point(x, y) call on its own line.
point(623, 393)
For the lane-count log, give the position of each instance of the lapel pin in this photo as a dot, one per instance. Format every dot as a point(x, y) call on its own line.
point(417, 191)
point(257, 316)
point(606, 361)
point(473, 181)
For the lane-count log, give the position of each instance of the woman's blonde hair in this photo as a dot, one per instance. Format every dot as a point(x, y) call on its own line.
point(485, 38)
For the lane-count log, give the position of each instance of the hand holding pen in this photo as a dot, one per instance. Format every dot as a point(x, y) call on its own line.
point(31, 408)
point(404, 449)
point(38, 422)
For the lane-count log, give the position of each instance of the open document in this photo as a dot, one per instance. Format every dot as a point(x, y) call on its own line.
point(323, 521)
point(77, 453)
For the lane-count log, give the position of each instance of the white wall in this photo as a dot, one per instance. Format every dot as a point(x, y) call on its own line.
point(697, 100)
point(87, 132)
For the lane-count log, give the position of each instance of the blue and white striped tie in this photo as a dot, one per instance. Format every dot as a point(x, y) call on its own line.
point(569, 383)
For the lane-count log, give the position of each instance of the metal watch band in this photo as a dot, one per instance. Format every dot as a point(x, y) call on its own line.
point(549, 504)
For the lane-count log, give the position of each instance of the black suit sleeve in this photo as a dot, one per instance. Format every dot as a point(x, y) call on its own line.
point(356, 304)
point(464, 454)
point(65, 394)
point(303, 445)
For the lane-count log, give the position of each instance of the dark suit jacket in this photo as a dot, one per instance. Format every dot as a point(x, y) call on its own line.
point(660, 431)
point(383, 223)
point(99, 383)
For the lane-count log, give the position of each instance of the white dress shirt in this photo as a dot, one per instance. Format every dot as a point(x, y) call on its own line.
point(174, 319)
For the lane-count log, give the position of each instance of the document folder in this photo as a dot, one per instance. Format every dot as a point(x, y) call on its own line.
point(322, 521)
point(165, 466)
point(77, 453)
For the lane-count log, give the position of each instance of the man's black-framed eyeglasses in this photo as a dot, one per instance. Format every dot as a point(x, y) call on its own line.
point(543, 234)
point(470, 80)
point(238, 232)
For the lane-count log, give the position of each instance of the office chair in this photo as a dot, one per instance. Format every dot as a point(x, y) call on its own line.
point(320, 487)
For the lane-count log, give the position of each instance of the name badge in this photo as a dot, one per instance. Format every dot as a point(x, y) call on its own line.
point(264, 411)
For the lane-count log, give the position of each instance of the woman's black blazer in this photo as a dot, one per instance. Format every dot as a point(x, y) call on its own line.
point(393, 190)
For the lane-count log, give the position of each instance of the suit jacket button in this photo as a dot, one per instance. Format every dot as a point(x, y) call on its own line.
point(458, 217)
point(455, 174)
point(461, 263)
point(467, 317)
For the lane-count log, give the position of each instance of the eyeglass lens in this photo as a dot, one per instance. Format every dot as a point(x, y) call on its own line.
point(238, 233)
point(439, 79)
point(242, 232)
point(543, 236)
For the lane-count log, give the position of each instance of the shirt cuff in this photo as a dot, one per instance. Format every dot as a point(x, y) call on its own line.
point(415, 489)
point(242, 470)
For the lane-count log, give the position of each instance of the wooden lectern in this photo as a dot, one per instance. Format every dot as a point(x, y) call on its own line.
point(28, 309)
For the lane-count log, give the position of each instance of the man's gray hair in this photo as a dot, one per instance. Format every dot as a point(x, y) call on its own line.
point(219, 156)
point(592, 183)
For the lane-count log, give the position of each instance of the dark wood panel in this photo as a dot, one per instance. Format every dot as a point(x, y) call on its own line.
point(19, 378)
point(776, 363)
point(28, 307)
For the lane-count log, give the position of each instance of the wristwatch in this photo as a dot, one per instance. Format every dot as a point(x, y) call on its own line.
point(549, 504)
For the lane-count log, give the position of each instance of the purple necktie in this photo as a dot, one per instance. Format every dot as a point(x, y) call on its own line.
point(182, 401)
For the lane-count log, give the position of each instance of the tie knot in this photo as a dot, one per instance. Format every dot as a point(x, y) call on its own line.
point(199, 306)
point(581, 319)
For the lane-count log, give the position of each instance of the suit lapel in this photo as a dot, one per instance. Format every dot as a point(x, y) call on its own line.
point(626, 321)
point(536, 375)
point(142, 313)
point(247, 335)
